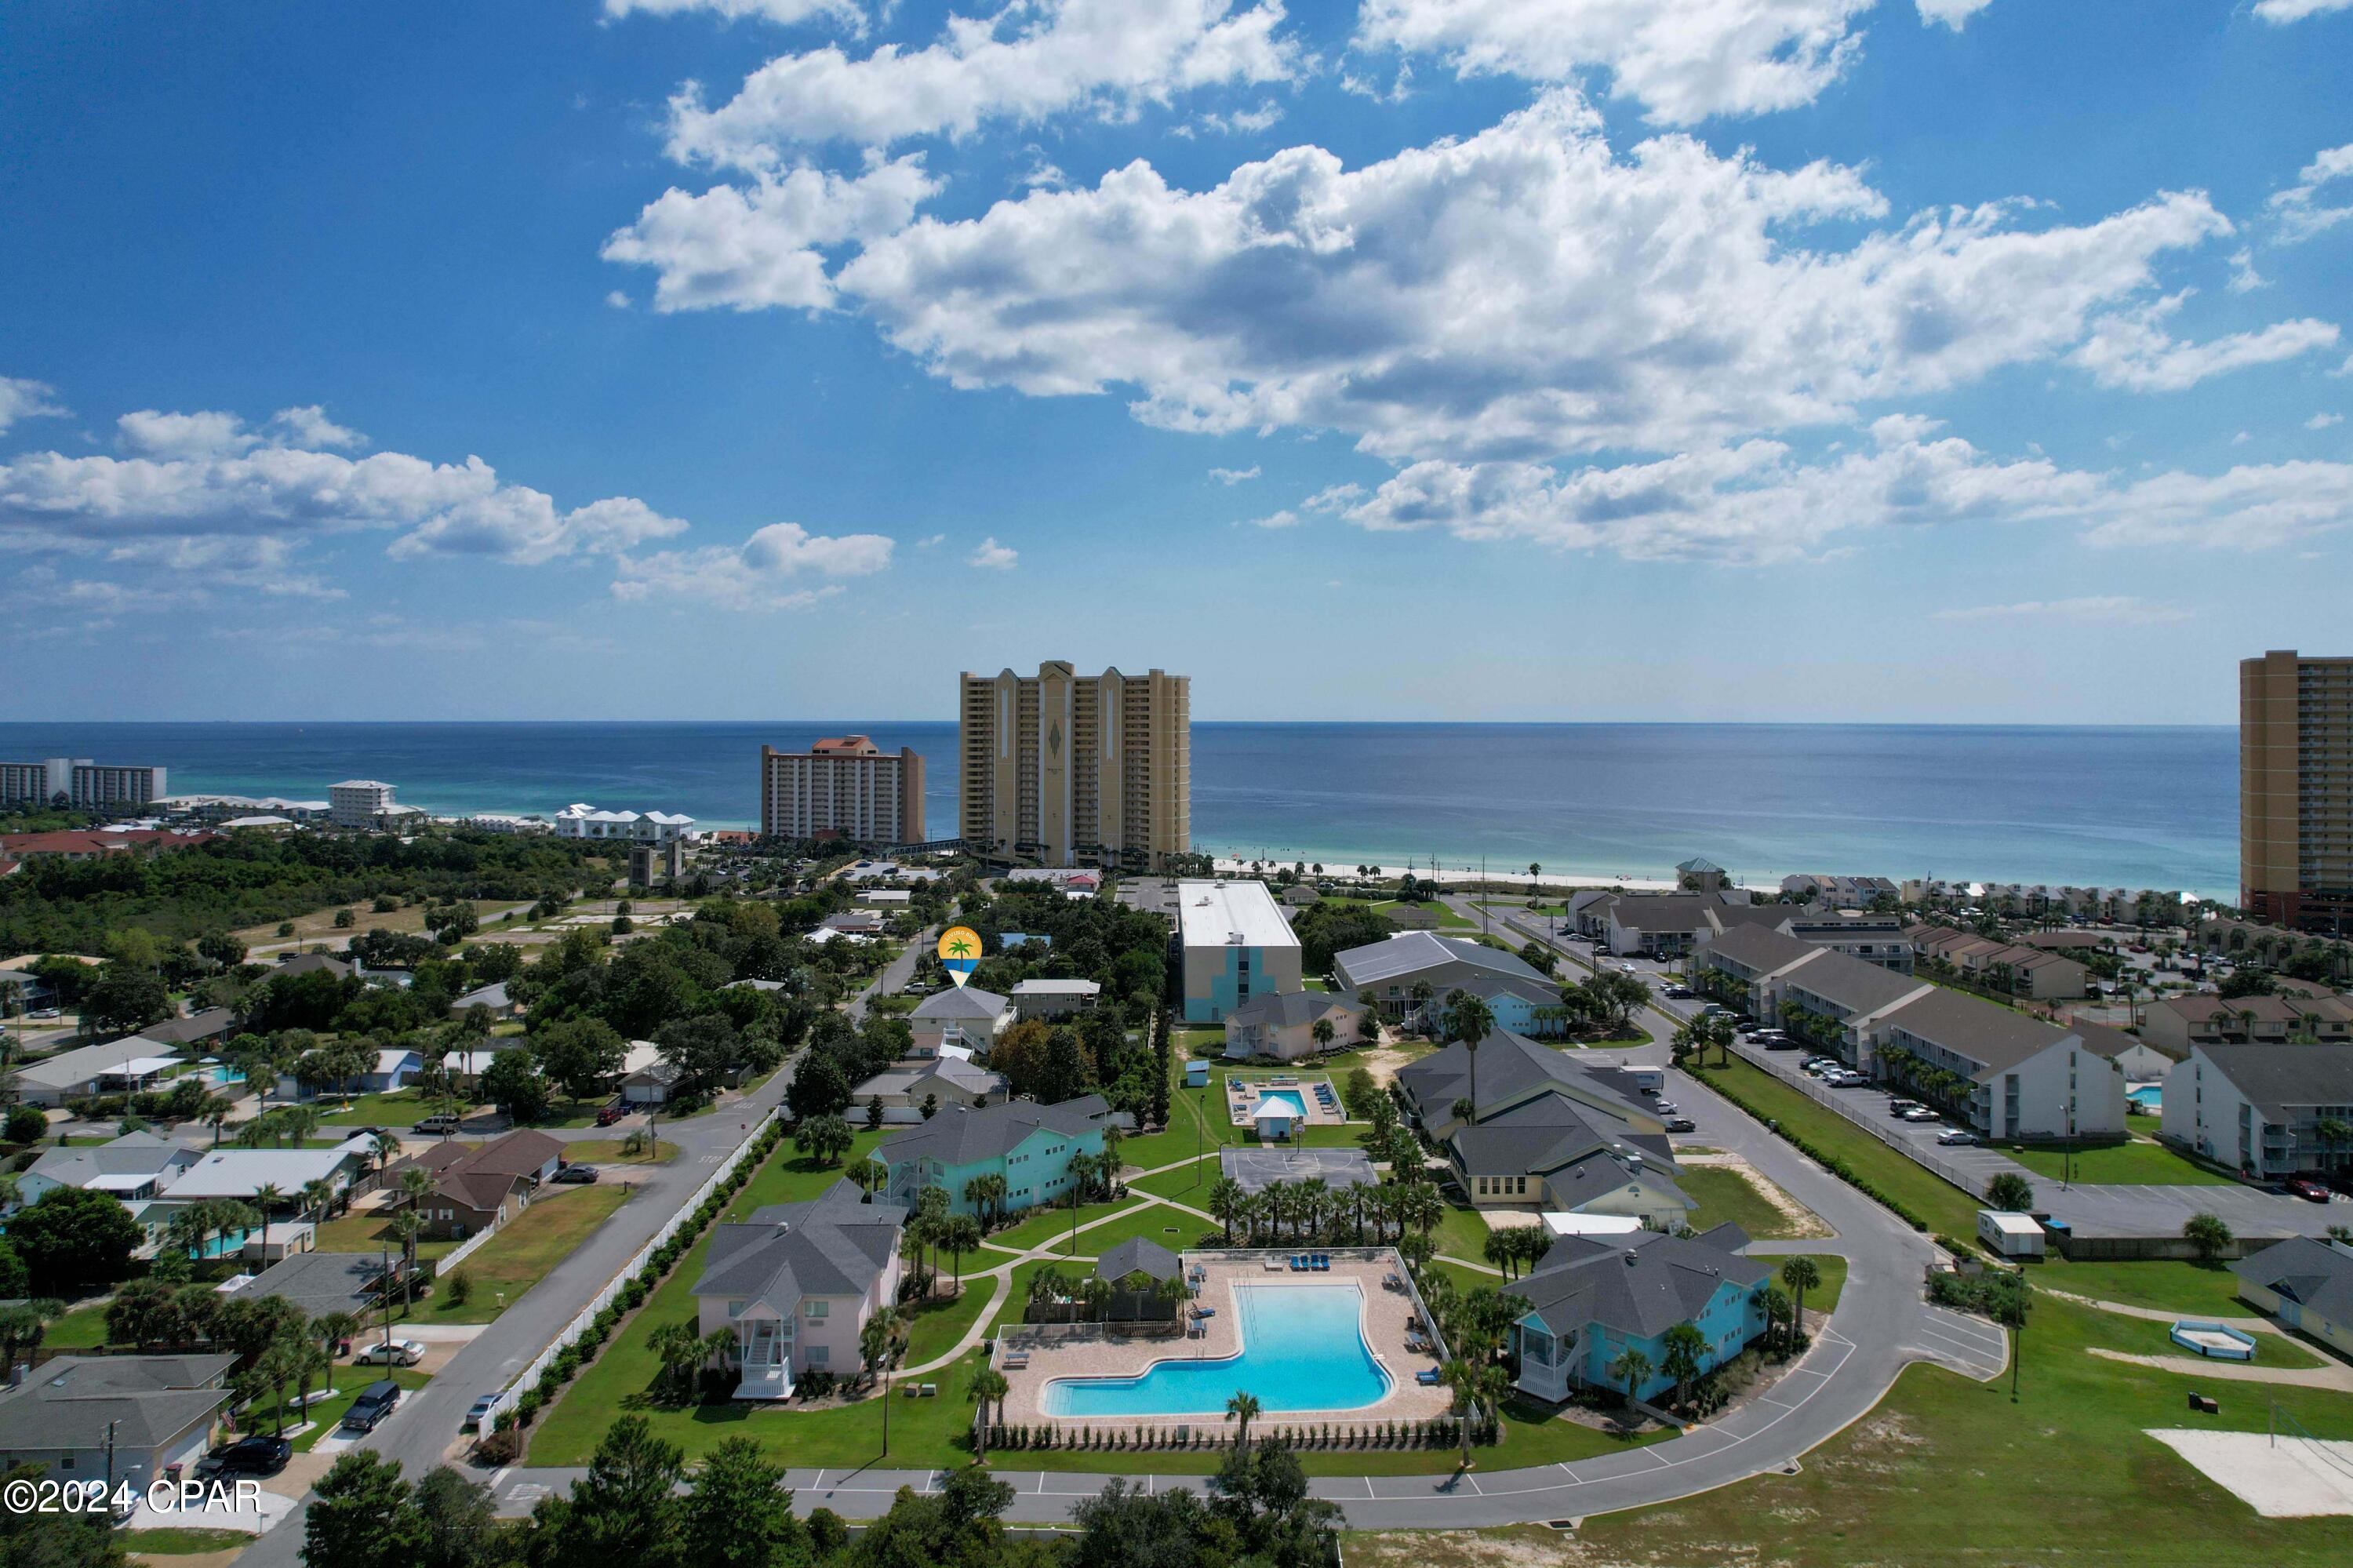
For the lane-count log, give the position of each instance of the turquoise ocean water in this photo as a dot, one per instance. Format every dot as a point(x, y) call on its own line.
point(2113, 806)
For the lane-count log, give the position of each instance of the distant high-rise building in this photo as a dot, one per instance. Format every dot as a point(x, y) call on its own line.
point(359, 803)
point(844, 787)
point(78, 781)
point(1068, 770)
point(2295, 790)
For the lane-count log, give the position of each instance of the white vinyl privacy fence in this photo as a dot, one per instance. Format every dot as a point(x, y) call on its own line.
point(639, 1260)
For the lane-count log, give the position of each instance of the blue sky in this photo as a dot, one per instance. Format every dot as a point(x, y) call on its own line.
point(1517, 359)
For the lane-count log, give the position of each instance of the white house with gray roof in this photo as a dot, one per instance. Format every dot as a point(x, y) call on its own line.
point(115, 1067)
point(135, 1167)
point(1281, 1024)
point(945, 1082)
point(86, 1417)
point(2259, 1108)
point(961, 1015)
point(1390, 969)
point(795, 1283)
point(2305, 1284)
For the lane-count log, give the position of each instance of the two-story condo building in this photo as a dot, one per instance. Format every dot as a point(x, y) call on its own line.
point(1028, 1145)
point(2178, 1022)
point(965, 1017)
point(1595, 1297)
point(1394, 970)
point(797, 1282)
point(2261, 1108)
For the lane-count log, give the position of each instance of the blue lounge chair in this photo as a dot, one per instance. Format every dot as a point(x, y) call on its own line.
point(1298, 1264)
point(1323, 1263)
point(1426, 1375)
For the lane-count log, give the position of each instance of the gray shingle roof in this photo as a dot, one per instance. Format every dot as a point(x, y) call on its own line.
point(1509, 1066)
point(199, 1025)
point(1761, 949)
point(2312, 1274)
point(2278, 1078)
point(1543, 1135)
point(961, 1002)
point(1409, 952)
point(322, 1282)
point(68, 1402)
point(834, 1244)
point(1288, 1009)
point(132, 1154)
point(1984, 1032)
point(1138, 1256)
point(957, 1136)
point(1853, 984)
point(1639, 1284)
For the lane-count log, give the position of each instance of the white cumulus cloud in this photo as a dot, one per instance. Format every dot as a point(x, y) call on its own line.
point(1522, 292)
point(1026, 63)
point(1953, 14)
point(21, 399)
point(2131, 349)
point(1682, 63)
point(784, 13)
point(2091, 609)
point(1233, 475)
point(2280, 12)
point(765, 573)
point(752, 247)
point(2322, 421)
point(992, 557)
point(2299, 210)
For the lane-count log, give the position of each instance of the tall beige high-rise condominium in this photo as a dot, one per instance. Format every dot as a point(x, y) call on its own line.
point(2295, 790)
point(844, 787)
point(1068, 769)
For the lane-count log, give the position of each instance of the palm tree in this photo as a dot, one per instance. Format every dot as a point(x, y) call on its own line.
point(332, 1328)
point(1775, 1302)
point(1225, 1201)
point(415, 1186)
point(1470, 1019)
point(266, 1197)
point(318, 1196)
point(1321, 1031)
point(1800, 1274)
point(1242, 1409)
point(1631, 1368)
point(384, 1150)
point(1478, 1384)
point(988, 1386)
point(405, 1228)
point(1684, 1346)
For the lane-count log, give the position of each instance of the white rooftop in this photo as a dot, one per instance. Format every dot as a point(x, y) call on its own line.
point(1570, 1225)
point(241, 1172)
point(1231, 913)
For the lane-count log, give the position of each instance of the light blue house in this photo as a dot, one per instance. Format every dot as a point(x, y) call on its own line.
point(1595, 1297)
point(1027, 1144)
point(1524, 1007)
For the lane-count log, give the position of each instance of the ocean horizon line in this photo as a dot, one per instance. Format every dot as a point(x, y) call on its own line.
point(881, 721)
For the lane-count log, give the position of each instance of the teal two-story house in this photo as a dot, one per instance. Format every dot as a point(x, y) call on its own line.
point(1594, 1297)
point(1027, 1144)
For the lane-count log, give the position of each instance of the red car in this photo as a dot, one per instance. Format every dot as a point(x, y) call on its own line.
point(607, 1115)
point(2308, 1189)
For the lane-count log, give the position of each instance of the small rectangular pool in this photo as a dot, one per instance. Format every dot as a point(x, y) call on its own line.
point(1302, 1348)
point(2148, 1096)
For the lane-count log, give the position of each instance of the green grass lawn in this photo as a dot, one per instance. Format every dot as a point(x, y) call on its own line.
point(2140, 1163)
point(2165, 1285)
point(1461, 1233)
point(371, 1231)
point(400, 1109)
point(81, 1330)
point(1052, 1226)
point(326, 1414)
point(1188, 1184)
point(182, 1542)
point(1948, 1473)
point(1724, 1192)
point(1945, 1206)
point(520, 1256)
point(1822, 1298)
point(935, 1326)
point(1172, 1228)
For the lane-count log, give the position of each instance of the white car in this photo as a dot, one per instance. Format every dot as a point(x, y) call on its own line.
point(1953, 1137)
point(391, 1353)
point(1919, 1113)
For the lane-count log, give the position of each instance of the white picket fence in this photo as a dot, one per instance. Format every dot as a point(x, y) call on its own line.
point(462, 1251)
point(529, 1375)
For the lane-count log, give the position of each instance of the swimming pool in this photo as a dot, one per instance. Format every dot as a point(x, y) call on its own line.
point(1285, 1101)
point(1302, 1348)
point(2150, 1096)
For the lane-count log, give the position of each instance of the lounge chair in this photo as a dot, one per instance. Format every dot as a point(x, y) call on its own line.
point(1391, 1282)
point(1427, 1375)
point(1323, 1263)
point(1274, 1265)
point(1016, 1360)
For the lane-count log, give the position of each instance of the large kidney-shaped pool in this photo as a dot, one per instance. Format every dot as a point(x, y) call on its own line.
point(1302, 1348)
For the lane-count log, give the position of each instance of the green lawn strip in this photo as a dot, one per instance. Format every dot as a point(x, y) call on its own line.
point(1468, 1278)
point(520, 1256)
point(625, 1371)
point(1188, 1184)
point(1948, 1471)
point(170, 1542)
point(2135, 1164)
point(933, 1327)
point(371, 1232)
point(1944, 1206)
point(1461, 1233)
point(326, 1414)
point(607, 1151)
point(2163, 1286)
point(1172, 1228)
point(1824, 1297)
point(1724, 1192)
point(83, 1329)
point(1532, 1436)
point(398, 1109)
point(1045, 1225)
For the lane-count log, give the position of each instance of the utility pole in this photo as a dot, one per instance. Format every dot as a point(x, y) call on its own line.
point(109, 1463)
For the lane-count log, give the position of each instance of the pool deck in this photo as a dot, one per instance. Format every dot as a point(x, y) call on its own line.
point(1129, 1355)
point(1242, 1096)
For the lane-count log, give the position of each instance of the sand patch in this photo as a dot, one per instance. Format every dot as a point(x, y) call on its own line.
point(2294, 1477)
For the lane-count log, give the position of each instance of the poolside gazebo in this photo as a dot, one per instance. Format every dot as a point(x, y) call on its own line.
point(1275, 1119)
point(1138, 1271)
